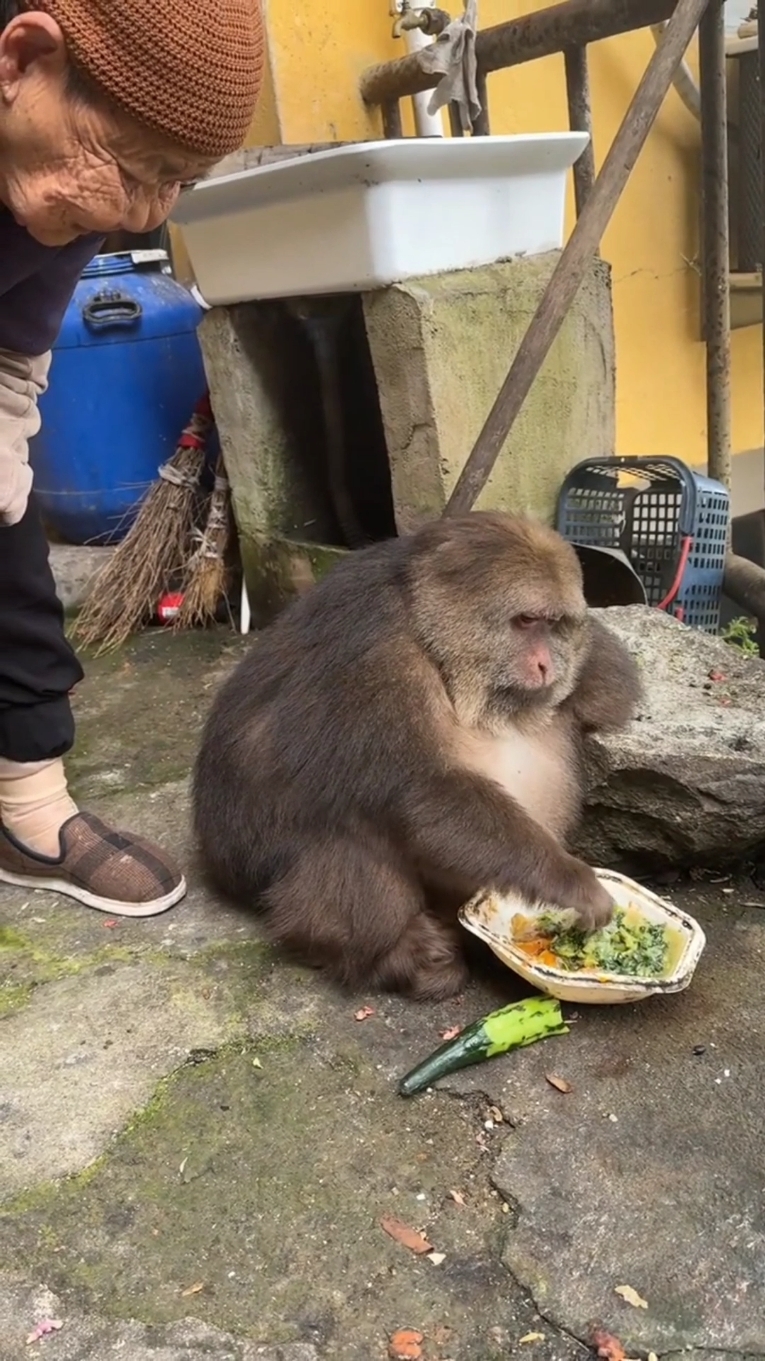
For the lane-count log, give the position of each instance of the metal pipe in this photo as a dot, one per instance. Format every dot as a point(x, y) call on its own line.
point(716, 244)
point(574, 23)
point(481, 124)
point(391, 118)
point(580, 120)
point(577, 253)
point(426, 124)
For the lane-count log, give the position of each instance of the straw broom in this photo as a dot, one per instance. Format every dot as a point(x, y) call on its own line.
point(123, 597)
point(206, 576)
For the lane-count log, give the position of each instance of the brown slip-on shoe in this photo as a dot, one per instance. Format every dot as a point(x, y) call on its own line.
point(112, 871)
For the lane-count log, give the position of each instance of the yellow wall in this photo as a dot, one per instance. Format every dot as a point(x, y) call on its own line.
point(318, 51)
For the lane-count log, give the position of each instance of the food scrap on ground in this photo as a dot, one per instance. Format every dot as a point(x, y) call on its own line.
point(363, 1013)
point(408, 1238)
point(631, 1296)
point(608, 1347)
point(451, 1032)
point(193, 1289)
point(405, 1345)
point(44, 1328)
point(559, 1083)
point(532, 1337)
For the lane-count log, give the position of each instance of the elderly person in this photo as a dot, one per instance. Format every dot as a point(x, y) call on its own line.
point(106, 109)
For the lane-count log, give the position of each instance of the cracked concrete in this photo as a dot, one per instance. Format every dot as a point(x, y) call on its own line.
point(198, 1141)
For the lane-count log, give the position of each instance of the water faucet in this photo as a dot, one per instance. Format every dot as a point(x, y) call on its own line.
point(427, 19)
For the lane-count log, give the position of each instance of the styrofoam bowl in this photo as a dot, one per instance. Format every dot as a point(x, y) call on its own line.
point(489, 917)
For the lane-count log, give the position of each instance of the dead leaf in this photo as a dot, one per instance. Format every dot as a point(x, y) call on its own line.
point(44, 1328)
point(451, 1032)
point(532, 1337)
point(436, 1258)
point(457, 1197)
point(559, 1083)
point(193, 1289)
point(608, 1347)
point(631, 1296)
point(408, 1238)
point(405, 1345)
point(363, 1013)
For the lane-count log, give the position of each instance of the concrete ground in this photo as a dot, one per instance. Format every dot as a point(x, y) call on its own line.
point(198, 1142)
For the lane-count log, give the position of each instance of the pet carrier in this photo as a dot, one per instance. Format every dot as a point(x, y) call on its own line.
point(671, 524)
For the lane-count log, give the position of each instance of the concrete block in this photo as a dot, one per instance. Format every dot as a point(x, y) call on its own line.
point(441, 349)
point(263, 395)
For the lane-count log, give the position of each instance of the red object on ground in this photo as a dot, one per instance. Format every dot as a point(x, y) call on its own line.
point(169, 605)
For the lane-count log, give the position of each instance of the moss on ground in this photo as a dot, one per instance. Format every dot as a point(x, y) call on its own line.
point(262, 1172)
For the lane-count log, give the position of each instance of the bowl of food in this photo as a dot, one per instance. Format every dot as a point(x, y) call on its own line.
point(649, 947)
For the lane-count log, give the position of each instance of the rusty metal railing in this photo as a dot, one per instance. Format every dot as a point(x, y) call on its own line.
point(568, 29)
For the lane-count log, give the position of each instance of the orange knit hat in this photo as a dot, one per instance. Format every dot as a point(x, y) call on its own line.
point(189, 69)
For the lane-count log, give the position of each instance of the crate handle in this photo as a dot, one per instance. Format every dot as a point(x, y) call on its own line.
point(685, 552)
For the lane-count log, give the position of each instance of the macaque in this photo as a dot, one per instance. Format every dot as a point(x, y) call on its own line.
point(405, 734)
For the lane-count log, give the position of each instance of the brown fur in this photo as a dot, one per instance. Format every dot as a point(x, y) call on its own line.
point(405, 734)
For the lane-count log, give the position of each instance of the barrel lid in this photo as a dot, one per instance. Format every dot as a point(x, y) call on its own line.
point(125, 262)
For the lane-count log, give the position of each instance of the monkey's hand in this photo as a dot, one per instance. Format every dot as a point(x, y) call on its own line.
point(608, 690)
point(593, 905)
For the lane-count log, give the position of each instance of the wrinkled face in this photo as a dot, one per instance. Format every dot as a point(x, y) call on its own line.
point(71, 164)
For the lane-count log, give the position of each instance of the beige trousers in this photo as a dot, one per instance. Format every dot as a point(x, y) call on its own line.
point(22, 381)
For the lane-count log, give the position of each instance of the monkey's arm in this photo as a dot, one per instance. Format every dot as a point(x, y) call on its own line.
point(608, 690)
point(466, 828)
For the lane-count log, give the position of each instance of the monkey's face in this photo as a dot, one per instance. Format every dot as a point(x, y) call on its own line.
point(541, 657)
point(499, 604)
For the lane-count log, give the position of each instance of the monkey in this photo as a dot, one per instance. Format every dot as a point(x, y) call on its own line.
point(405, 734)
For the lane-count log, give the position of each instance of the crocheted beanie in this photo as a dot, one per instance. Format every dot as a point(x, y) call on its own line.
point(189, 69)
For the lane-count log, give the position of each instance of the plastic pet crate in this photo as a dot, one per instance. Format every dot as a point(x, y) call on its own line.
point(671, 524)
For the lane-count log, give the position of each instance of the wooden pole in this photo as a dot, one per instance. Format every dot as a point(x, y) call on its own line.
point(716, 252)
point(580, 120)
point(577, 253)
point(761, 55)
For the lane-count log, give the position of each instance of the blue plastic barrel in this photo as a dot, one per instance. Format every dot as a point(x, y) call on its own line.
point(126, 375)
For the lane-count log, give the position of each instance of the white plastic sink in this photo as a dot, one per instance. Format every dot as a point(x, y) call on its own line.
point(363, 216)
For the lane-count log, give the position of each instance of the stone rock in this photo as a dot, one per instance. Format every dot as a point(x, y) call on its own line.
point(685, 782)
point(74, 569)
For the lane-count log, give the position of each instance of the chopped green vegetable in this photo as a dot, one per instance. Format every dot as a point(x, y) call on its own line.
point(512, 1027)
point(639, 949)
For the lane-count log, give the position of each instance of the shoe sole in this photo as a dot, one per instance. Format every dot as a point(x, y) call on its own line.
point(81, 895)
